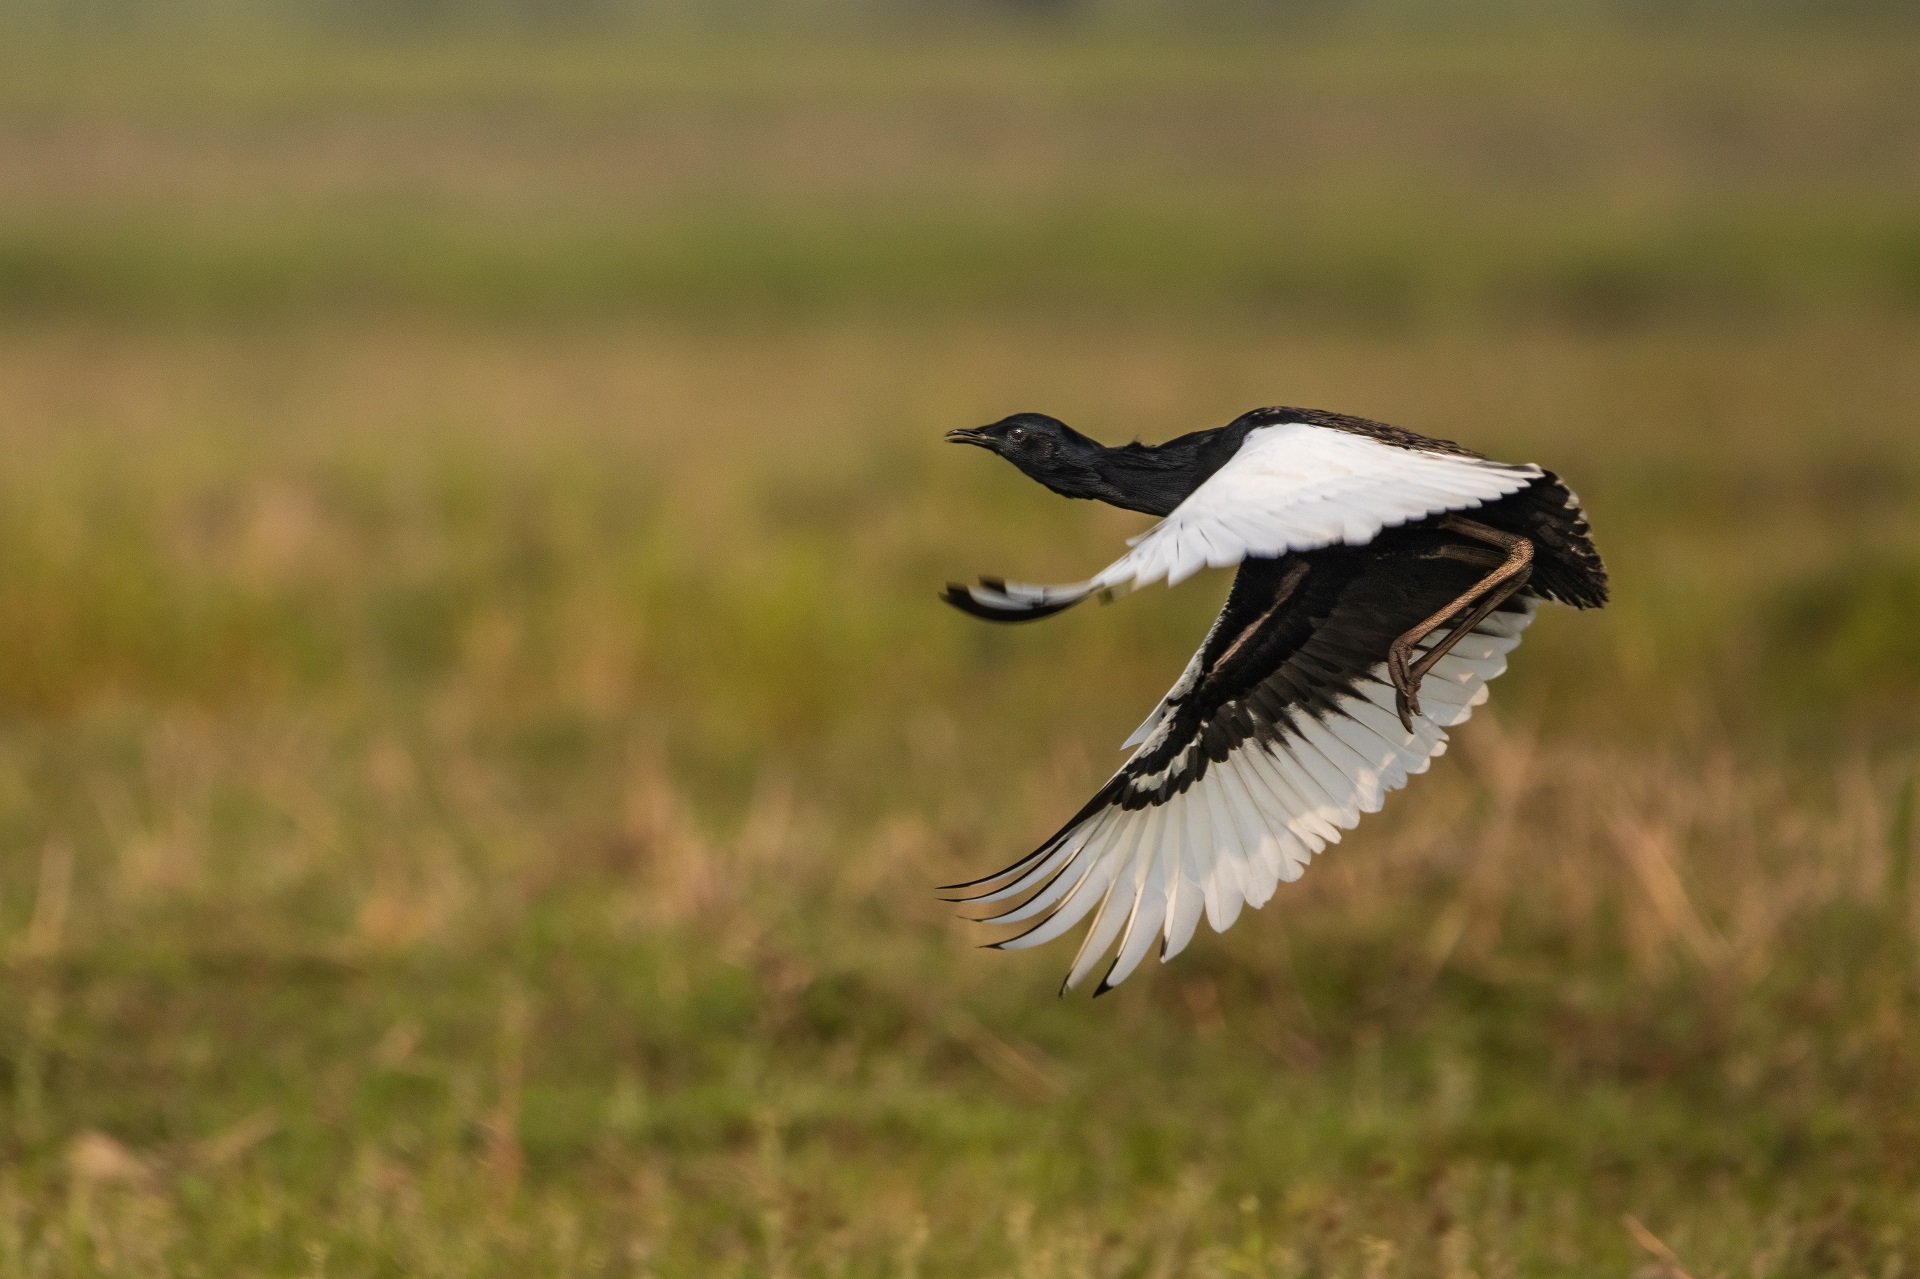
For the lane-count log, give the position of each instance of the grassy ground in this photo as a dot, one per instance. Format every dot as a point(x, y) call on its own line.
point(477, 734)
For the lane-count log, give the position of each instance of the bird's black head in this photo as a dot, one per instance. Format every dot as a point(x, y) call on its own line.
point(1046, 448)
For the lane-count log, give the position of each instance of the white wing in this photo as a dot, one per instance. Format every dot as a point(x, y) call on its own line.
point(1297, 487)
point(1291, 487)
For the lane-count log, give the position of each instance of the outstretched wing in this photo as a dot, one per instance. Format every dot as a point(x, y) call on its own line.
point(1278, 735)
point(1295, 486)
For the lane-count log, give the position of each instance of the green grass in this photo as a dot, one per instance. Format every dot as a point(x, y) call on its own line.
point(477, 742)
point(1418, 264)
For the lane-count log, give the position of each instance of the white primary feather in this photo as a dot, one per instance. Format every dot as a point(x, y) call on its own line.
point(1123, 898)
point(1232, 864)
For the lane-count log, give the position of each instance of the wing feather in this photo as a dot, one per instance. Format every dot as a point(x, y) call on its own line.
point(1239, 827)
point(1126, 888)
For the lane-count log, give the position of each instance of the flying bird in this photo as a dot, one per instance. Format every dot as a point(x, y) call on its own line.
point(1383, 578)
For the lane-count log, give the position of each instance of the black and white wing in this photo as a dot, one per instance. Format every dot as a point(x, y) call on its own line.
point(1279, 734)
point(1292, 486)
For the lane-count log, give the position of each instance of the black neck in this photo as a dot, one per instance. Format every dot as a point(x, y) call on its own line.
point(1150, 478)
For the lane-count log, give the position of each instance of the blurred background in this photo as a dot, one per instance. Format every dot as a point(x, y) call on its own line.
point(478, 735)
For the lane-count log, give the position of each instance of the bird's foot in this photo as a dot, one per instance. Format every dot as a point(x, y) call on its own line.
point(1406, 689)
point(1406, 705)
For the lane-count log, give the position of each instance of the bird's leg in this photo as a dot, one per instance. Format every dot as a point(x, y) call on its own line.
point(1482, 597)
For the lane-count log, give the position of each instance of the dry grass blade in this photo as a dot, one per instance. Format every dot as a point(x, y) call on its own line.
point(1021, 1065)
point(1669, 1263)
point(235, 1141)
point(1649, 852)
point(47, 928)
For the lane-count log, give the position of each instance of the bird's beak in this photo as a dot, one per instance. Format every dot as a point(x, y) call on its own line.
point(969, 437)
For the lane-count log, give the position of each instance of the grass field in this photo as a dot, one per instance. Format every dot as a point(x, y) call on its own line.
point(478, 735)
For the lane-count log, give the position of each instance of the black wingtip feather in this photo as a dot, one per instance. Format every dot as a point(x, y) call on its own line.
point(1003, 873)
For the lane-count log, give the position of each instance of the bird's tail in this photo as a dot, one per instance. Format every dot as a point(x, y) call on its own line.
point(1002, 601)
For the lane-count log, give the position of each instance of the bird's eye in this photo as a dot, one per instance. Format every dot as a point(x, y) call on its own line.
point(1017, 434)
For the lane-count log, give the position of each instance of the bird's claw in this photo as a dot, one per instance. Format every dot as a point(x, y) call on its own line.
point(1406, 706)
point(1406, 697)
